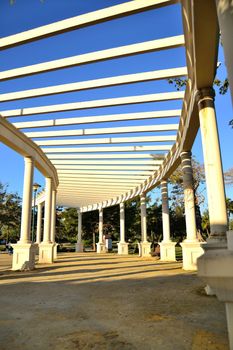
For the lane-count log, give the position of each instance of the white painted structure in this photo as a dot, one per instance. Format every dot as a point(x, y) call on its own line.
point(96, 167)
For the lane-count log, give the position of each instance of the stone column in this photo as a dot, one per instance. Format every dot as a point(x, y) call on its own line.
point(144, 245)
point(191, 248)
point(122, 245)
point(167, 247)
point(79, 244)
point(100, 245)
point(39, 223)
point(215, 265)
point(46, 246)
point(213, 168)
point(225, 18)
point(24, 250)
point(53, 223)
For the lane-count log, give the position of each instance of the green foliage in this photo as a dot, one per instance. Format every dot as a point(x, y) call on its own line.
point(10, 214)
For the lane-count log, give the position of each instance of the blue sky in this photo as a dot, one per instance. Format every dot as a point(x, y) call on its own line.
point(25, 14)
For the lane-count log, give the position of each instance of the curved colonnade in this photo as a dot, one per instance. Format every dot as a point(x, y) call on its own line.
point(93, 168)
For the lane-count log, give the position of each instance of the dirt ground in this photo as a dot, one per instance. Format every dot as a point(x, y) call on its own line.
point(92, 302)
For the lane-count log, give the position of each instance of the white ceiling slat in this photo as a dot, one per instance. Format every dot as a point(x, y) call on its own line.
point(103, 156)
point(108, 162)
point(98, 119)
point(110, 140)
point(86, 58)
point(106, 167)
point(100, 131)
point(105, 172)
point(109, 102)
point(83, 20)
point(96, 83)
point(107, 149)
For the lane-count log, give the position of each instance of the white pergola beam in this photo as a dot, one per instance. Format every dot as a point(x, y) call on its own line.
point(100, 131)
point(106, 167)
point(107, 149)
point(104, 172)
point(101, 177)
point(105, 156)
point(108, 162)
point(98, 119)
point(110, 140)
point(118, 101)
point(83, 20)
point(96, 83)
point(117, 52)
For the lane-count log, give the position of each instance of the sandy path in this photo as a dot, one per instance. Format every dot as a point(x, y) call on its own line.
point(87, 301)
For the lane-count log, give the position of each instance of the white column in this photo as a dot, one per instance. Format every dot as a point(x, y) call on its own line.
point(79, 244)
point(189, 200)
point(167, 247)
point(53, 216)
point(213, 168)
point(122, 245)
point(39, 223)
point(122, 223)
point(143, 217)
point(24, 251)
point(27, 200)
point(144, 245)
point(165, 212)
point(46, 248)
point(215, 265)
point(191, 248)
point(48, 210)
point(53, 223)
point(100, 245)
point(225, 18)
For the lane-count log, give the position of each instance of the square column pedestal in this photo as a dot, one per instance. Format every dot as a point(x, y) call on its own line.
point(215, 268)
point(123, 248)
point(46, 253)
point(23, 256)
point(101, 249)
point(79, 247)
point(167, 251)
point(55, 245)
point(191, 251)
point(144, 249)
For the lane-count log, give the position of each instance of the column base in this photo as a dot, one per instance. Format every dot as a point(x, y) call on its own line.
point(101, 249)
point(79, 247)
point(167, 251)
point(123, 248)
point(215, 268)
point(55, 245)
point(144, 249)
point(46, 251)
point(23, 256)
point(191, 251)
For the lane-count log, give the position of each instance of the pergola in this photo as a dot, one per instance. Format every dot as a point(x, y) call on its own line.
point(91, 161)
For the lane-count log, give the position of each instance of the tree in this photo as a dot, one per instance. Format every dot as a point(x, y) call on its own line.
point(228, 175)
point(177, 192)
point(10, 214)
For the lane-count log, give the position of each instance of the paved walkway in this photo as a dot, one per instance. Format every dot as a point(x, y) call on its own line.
point(87, 301)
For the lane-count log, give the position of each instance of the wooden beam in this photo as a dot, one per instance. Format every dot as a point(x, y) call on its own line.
point(107, 149)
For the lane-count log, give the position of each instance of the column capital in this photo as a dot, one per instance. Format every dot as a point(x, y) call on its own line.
point(205, 97)
point(29, 159)
point(186, 155)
